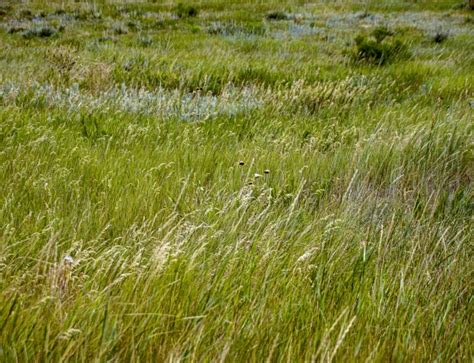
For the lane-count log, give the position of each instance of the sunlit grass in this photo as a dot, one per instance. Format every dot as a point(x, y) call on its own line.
point(232, 187)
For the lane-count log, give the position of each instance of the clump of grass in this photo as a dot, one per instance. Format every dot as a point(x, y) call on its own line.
point(63, 59)
point(378, 49)
point(15, 28)
point(84, 15)
point(40, 32)
point(186, 11)
point(59, 11)
point(25, 14)
point(145, 41)
point(5, 10)
point(235, 29)
point(466, 4)
point(381, 32)
point(120, 29)
point(276, 16)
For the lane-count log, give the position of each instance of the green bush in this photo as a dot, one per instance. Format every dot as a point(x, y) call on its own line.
point(377, 49)
point(186, 11)
point(276, 15)
point(42, 32)
point(440, 37)
point(381, 32)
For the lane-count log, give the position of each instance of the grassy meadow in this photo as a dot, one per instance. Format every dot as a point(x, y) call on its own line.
point(236, 181)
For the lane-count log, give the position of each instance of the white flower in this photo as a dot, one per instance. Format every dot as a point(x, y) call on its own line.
point(68, 260)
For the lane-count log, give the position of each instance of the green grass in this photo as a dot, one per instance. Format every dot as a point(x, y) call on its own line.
point(130, 231)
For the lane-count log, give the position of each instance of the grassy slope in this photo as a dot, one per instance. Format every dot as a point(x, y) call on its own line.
point(120, 142)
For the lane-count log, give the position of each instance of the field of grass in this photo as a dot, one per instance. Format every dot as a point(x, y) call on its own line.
point(238, 181)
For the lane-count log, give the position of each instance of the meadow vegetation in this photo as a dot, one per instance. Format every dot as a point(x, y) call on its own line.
point(236, 181)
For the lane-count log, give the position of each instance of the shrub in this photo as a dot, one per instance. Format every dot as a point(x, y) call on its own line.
point(381, 32)
point(376, 49)
point(15, 29)
point(42, 32)
point(276, 15)
point(26, 14)
point(186, 11)
point(4, 10)
point(440, 37)
point(466, 4)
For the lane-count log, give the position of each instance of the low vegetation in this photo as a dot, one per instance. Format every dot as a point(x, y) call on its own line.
point(236, 181)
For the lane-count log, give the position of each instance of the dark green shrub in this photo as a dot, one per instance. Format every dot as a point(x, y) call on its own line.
point(4, 10)
point(186, 11)
point(440, 37)
point(42, 32)
point(377, 49)
point(26, 14)
point(15, 29)
point(381, 32)
point(276, 15)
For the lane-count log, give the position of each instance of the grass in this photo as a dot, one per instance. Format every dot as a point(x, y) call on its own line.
point(223, 187)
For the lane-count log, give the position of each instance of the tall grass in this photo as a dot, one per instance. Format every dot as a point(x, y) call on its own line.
point(276, 202)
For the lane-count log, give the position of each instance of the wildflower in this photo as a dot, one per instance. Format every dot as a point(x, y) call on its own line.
point(241, 163)
point(267, 171)
point(257, 175)
point(68, 260)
